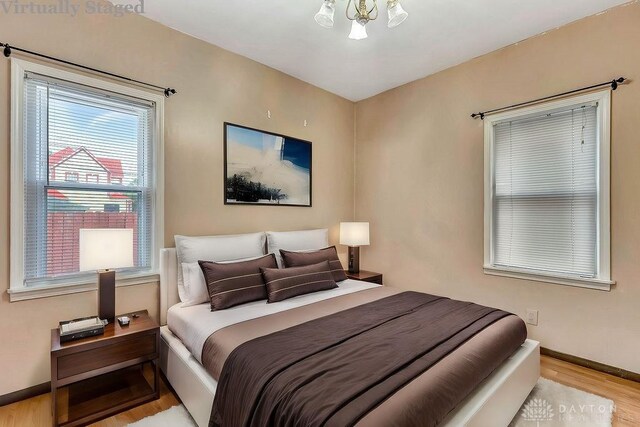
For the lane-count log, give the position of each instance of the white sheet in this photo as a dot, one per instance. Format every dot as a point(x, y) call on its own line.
point(193, 325)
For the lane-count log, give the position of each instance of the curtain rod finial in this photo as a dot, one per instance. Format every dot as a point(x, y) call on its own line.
point(168, 92)
point(616, 82)
point(7, 50)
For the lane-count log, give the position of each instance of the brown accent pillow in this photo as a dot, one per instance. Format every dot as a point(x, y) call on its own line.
point(300, 259)
point(286, 283)
point(236, 283)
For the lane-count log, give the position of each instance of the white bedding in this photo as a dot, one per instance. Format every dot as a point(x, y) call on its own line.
point(193, 325)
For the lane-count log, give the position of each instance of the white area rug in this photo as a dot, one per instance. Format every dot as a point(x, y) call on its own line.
point(176, 416)
point(549, 405)
point(555, 405)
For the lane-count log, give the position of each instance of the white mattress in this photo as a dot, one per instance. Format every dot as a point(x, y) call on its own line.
point(193, 325)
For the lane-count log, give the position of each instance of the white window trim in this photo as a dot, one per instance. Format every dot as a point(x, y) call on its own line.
point(603, 281)
point(85, 282)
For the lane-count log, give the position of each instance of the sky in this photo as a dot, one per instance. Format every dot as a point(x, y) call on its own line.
point(105, 132)
point(296, 151)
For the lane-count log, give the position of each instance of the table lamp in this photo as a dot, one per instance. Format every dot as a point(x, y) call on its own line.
point(354, 235)
point(105, 249)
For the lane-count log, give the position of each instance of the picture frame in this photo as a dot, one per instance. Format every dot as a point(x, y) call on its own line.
point(263, 168)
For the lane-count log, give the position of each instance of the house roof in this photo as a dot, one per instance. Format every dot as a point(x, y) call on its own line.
point(56, 194)
point(118, 196)
point(57, 157)
point(113, 166)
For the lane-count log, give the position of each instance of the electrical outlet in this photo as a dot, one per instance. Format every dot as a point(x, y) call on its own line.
point(532, 317)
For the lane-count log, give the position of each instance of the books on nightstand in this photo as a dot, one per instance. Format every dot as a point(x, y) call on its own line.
point(81, 328)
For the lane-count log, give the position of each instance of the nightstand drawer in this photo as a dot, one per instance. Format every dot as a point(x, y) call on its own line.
point(122, 351)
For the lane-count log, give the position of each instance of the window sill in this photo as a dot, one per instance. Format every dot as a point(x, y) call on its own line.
point(597, 284)
point(45, 291)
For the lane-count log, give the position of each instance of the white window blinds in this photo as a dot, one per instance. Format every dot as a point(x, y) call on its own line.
point(545, 203)
point(88, 163)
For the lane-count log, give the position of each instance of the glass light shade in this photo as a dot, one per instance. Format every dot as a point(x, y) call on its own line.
point(106, 248)
point(397, 15)
point(358, 31)
point(325, 16)
point(354, 233)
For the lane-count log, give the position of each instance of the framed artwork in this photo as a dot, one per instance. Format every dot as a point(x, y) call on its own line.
point(264, 168)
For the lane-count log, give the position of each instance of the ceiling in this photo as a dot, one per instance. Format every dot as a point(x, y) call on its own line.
point(438, 34)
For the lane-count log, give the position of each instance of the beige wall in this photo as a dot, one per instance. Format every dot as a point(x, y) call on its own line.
point(419, 180)
point(214, 86)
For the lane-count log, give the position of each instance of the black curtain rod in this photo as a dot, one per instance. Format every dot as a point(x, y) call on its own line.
point(613, 83)
point(8, 50)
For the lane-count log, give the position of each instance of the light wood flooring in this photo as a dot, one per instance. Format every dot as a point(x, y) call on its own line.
point(626, 395)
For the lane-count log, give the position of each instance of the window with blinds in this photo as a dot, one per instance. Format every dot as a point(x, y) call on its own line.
point(88, 162)
point(545, 194)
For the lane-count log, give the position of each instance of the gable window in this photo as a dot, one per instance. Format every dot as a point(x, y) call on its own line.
point(547, 192)
point(68, 126)
point(93, 178)
point(71, 176)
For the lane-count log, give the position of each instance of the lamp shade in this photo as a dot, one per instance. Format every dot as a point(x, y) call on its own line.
point(358, 30)
point(354, 233)
point(397, 15)
point(106, 248)
point(325, 16)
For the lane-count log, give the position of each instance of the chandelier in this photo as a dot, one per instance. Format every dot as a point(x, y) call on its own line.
point(361, 14)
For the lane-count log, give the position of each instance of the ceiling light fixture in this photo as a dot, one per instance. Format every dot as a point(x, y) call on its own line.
point(361, 16)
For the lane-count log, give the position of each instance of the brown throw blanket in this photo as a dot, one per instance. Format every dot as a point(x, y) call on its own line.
point(334, 370)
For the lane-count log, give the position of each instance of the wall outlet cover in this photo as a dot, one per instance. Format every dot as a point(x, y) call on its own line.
point(532, 317)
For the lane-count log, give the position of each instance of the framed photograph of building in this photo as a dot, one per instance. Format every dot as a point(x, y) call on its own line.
point(264, 168)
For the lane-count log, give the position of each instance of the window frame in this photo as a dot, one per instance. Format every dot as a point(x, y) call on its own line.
point(603, 280)
point(83, 282)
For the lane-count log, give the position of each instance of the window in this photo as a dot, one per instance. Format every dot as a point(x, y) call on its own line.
point(547, 192)
point(71, 176)
point(66, 127)
point(93, 178)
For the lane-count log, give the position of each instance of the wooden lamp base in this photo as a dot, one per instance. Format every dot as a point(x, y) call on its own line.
point(107, 295)
point(354, 259)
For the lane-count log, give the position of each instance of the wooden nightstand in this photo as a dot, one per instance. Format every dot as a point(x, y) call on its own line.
point(94, 378)
point(366, 276)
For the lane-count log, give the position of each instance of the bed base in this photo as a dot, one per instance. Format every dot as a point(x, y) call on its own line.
point(494, 403)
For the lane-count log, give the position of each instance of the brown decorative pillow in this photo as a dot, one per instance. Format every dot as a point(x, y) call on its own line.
point(236, 283)
point(300, 259)
point(286, 283)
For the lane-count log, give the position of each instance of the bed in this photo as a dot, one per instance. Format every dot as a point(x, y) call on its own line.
point(184, 332)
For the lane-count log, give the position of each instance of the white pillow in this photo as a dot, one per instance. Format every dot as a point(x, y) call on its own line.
point(216, 249)
point(194, 285)
point(306, 240)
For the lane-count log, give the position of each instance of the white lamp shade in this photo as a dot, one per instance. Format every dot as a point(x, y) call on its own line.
point(358, 31)
point(106, 248)
point(354, 233)
point(397, 15)
point(325, 16)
